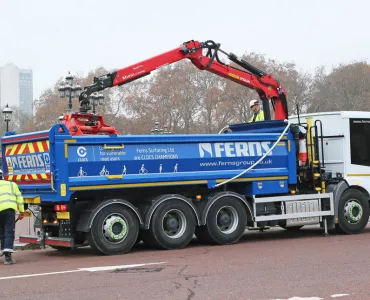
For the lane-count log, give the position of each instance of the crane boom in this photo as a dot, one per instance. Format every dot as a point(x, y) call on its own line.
point(264, 84)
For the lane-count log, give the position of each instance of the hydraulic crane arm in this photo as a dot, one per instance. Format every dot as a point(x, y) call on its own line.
point(264, 84)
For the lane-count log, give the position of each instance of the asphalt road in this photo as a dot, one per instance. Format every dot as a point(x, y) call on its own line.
point(275, 264)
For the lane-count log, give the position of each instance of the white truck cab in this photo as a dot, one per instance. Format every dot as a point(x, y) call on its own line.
point(346, 144)
point(343, 141)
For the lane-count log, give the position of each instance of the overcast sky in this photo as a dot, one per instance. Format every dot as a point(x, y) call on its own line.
point(52, 37)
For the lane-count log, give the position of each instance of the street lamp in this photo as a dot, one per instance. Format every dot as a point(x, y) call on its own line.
point(155, 130)
point(7, 111)
point(69, 90)
point(158, 130)
point(96, 99)
point(101, 99)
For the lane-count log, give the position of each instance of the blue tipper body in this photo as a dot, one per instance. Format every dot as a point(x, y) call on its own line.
point(113, 162)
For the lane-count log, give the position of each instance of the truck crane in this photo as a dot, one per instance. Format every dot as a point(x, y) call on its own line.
point(111, 191)
point(264, 84)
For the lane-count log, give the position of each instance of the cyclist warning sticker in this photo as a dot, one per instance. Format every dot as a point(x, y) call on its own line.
point(109, 154)
point(120, 153)
point(145, 160)
point(95, 153)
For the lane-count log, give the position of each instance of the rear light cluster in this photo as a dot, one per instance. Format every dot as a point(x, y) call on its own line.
point(46, 221)
point(49, 218)
point(60, 207)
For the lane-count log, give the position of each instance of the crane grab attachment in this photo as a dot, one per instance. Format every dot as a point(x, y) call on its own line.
point(264, 84)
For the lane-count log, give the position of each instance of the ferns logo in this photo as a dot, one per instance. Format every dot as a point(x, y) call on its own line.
point(205, 150)
point(234, 149)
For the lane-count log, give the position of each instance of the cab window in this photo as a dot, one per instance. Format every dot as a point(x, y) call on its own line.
point(360, 141)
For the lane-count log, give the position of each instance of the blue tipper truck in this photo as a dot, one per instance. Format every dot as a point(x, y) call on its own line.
point(111, 191)
point(107, 189)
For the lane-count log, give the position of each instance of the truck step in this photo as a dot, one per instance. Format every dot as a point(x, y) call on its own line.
point(50, 241)
point(28, 239)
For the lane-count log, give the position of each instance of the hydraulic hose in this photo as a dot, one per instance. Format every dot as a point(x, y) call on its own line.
point(258, 161)
point(223, 129)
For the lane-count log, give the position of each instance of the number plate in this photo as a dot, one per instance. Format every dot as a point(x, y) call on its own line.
point(63, 215)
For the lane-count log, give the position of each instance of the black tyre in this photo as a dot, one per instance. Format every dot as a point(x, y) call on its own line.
point(172, 226)
point(225, 223)
point(353, 212)
point(138, 239)
point(114, 230)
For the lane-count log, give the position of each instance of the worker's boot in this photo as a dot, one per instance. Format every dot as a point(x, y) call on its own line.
point(8, 259)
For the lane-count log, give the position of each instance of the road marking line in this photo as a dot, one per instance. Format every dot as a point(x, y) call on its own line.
point(93, 269)
point(302, 298)
point(41, 274)
point(339, 295)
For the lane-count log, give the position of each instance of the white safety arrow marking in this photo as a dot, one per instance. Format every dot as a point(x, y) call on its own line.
point(108, 268)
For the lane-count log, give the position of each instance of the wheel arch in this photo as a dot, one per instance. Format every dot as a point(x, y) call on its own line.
point(87, 217)
point(219, 196)
point(340, 188)
point(163, 198)
point(361, 189)
point(337, 189)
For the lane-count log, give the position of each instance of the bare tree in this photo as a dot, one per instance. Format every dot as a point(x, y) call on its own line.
point(347, 87)
point(189, 100)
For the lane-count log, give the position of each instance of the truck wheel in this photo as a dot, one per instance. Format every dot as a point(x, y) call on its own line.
point(114, 230)
point(225, 223)
point(353, 212)
point(172, 226)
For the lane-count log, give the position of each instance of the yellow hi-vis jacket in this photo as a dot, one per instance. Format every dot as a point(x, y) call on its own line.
point(10, 196)
point(260, 116)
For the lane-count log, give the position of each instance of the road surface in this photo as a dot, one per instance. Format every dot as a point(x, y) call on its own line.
point(275, 264)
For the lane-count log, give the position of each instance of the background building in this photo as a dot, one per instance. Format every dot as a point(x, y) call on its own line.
point(16, 87)
point(26, 91)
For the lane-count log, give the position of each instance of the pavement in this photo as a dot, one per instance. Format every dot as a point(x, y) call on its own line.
point(276, 264)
